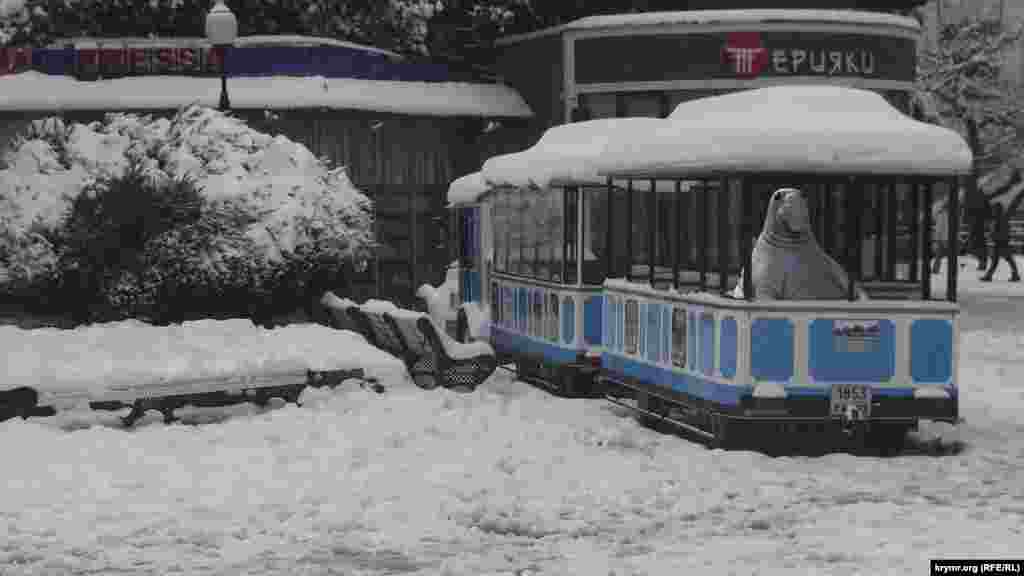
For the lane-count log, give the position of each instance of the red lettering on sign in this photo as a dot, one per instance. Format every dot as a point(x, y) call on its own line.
point(88, 56)
point(168, 59)
point(187, 59)
point(213, 59)
point(112, 56)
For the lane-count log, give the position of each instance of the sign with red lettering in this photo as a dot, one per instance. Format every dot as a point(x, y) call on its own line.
point(743, 55)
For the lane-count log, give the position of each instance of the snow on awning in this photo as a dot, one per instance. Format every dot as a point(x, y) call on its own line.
point(467, 189)
point(819, 129)
point(35, 91)
point(564, 154)
point(873, 19)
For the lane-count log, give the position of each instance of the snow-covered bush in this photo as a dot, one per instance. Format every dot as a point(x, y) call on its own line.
point(146, 210)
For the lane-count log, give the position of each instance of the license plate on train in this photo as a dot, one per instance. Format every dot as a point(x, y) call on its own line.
point(851, 399)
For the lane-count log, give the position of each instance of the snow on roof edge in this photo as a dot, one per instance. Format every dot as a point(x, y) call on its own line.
point(720, 17)
point(36, 91)
point(294, 40)
point(856, 17)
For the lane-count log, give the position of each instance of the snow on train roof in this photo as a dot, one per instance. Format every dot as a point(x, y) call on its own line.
point(467, 189)
point(820, 129)
point(563, 153)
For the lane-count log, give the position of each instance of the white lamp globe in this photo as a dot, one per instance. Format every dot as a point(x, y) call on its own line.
point(221, 25)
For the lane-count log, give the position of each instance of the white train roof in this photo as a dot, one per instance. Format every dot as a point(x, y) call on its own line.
point(816, 129)
point(467, 189)
point(563, 154)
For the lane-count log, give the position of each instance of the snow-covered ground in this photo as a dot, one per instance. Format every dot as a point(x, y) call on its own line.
point(510, 480)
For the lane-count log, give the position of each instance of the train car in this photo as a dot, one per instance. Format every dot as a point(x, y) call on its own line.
point(659, 218)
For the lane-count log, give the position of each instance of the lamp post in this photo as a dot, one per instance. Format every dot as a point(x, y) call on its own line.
point(221, 30)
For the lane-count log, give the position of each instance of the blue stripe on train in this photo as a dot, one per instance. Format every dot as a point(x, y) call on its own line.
point(693, 385)
point(507, 341)
point(593, 310)
point(707, 389)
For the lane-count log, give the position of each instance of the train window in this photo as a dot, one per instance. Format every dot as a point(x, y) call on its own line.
point(632, 326)
point(517, 232)
point(537, 314)
point(506, 304)
point(500, 227)
point(679, 337)
point(595, 238)
point(552, 318)
point(548, 234)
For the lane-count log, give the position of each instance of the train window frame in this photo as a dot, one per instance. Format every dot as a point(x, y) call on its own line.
point(680, 316)
point(507, 302)
point(552, 324)
point(631, 326)
point(537, 313)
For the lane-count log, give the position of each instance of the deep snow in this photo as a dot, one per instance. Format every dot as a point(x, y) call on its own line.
point(510, 480)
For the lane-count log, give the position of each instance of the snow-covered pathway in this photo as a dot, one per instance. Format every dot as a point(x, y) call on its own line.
point(509, 480)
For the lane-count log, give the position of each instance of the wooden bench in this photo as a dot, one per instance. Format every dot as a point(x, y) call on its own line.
point(429, 355)
point(170, 396)
point(454, 364)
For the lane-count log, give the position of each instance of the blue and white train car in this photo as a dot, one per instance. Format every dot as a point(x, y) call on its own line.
point(657, 219)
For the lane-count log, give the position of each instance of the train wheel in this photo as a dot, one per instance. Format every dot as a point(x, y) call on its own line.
point(567, 383)
point(886, 439)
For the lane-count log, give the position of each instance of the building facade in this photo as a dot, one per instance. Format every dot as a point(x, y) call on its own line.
point(646, 64)
point(402, 130)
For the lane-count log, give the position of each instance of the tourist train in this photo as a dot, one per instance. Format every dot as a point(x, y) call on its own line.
point(754, 262)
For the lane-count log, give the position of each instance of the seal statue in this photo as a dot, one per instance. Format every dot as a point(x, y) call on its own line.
point(788, 263)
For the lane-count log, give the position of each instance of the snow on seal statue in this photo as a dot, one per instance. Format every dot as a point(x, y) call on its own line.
point(787, 261)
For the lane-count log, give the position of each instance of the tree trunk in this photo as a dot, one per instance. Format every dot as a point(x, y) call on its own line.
point(976, 204)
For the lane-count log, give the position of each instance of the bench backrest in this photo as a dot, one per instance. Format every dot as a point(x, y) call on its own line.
point(385, 336)
point(409, 329)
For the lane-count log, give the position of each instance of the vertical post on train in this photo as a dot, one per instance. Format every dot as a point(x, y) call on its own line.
point(954, 238)
point(723, 234)
point(610, 233)
point(852, 208)
point(926, 244)
point(580, 232)
point(652, 231)
point(830, 217)
point(890, 226)
point(879, 200)
point(565, 234)
point(674, 242)
point(747, 198)
point(702, 248)
point(915, 228)
point(629, 230)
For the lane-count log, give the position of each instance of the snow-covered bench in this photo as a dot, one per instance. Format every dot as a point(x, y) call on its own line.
point(135, 366)
point(431, 356)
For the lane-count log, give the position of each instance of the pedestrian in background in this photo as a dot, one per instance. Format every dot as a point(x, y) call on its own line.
point(1001, 244)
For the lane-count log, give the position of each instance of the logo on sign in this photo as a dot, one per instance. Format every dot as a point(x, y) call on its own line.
point(749, 57)
point(747, 54)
